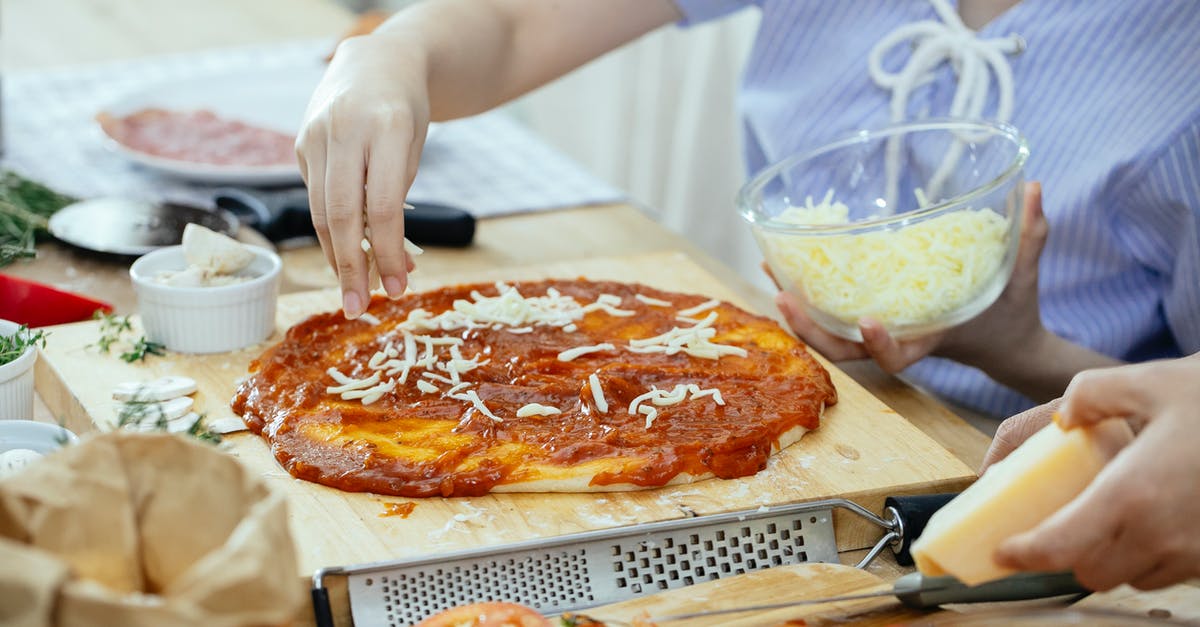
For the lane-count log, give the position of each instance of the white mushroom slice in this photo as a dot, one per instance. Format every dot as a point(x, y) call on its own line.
point(151, 412)
point(183, 423)
point(162, 389)
point(228, 424)
point(214, 251)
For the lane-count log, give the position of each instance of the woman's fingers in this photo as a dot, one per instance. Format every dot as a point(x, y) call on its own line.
point(831, 346)
point(1096, 395)
point(891, 354)
point(1090, 522)
point(344, 180)
point(771, 275)
point(1014, 431)
point(386, 169)
point(311, 151)
point(1034, 231)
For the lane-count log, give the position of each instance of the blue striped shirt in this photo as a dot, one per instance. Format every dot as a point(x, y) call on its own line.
point(1108, 95)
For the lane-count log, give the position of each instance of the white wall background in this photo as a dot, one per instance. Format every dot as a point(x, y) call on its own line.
point(657, 118)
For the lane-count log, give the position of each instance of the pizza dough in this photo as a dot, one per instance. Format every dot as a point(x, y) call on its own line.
point(567, 385)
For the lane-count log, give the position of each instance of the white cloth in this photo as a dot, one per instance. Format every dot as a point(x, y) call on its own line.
point(489, 165)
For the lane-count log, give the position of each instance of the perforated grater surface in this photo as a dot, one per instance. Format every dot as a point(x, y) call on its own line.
point(578, 571)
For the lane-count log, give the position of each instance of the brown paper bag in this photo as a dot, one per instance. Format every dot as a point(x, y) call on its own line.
point(144, 529)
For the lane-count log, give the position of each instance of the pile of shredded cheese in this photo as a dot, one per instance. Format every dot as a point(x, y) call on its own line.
point(661, 398)
point(411, 347)
point(910, 275)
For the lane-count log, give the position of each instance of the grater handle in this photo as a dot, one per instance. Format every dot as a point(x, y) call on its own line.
point(913, 513)
point(918, 591)
point(322, 612)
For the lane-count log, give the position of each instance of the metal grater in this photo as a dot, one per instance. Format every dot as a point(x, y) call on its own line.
point(578, 571)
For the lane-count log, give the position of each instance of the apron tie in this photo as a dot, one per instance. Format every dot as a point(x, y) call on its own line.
point(974, 61)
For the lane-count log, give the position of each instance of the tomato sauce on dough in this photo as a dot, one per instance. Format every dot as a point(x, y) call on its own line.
point(415, 444)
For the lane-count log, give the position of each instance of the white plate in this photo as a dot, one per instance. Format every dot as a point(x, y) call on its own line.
point(273, 99)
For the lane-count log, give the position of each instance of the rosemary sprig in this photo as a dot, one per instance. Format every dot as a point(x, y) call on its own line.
point(15, 345)
point(25, 210)
point(113, 327)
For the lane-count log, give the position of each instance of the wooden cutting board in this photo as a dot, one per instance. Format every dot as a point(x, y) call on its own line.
point(782, 584)
point(863, 451)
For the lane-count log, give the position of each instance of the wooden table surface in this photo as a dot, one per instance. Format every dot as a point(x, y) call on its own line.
point(38, 34)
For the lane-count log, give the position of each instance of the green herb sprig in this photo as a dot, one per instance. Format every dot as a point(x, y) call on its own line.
point(15, 345)
point(25, 210)
point(138, 414)
point(141, 348)
point(113, 328)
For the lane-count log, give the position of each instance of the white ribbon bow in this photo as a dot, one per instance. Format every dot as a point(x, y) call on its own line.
point(974, 61)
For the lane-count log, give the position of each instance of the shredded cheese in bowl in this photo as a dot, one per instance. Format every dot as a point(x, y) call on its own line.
point(912, 277)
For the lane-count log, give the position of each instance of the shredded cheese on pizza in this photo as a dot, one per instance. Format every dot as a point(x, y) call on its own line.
point(426, 386)
point(699, 309)
point(471, 397)
point(695, 340)
point(537, 409)
point(654, 302)
point(572, 353)
point(420, 346)
point(598, 393)
point(676, 395)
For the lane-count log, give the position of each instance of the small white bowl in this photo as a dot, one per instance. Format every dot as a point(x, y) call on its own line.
point(206, 319)
point(38, 436)
point(16, 380)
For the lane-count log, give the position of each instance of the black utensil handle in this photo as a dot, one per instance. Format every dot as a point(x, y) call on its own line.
point(321, 609)
point(284, 214)
point(438, 225)
point(917, 591)
point(914, 513)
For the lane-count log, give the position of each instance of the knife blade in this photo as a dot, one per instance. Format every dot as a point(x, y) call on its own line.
point(282, 215)
point(920, 592)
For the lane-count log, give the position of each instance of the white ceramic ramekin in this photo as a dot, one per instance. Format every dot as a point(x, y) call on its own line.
point(37, 436)
point(206, 319)
point(16, 381)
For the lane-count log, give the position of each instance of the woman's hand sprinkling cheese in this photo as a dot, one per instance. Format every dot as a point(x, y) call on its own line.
point(366, 122)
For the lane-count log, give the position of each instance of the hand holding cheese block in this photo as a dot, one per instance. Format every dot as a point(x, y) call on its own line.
point(1134, 523)
point(1015, 495)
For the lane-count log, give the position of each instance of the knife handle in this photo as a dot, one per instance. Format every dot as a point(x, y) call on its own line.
point(284, 214)
point(438, 225)
point(920, 592)
point(913, 513)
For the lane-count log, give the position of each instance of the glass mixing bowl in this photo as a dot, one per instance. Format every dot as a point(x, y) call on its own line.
point(915, 225)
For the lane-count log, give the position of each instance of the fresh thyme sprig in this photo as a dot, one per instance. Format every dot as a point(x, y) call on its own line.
point(141, 348)
point(25, 210)
point(15, 345)
point(113, 327)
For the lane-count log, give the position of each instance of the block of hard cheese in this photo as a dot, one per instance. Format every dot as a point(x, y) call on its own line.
point(1046, 472)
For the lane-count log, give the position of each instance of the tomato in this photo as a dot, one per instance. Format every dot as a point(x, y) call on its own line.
point(486, 614)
